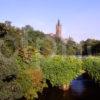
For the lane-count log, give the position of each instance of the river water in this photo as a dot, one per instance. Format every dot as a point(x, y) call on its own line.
point(82, 88)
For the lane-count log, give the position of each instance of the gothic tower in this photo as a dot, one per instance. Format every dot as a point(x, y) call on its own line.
point(58, 29)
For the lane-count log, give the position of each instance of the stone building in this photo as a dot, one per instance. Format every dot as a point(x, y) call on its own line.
point(58, 29)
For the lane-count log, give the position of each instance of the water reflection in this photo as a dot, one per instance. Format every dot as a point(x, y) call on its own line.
point(82, 88)
point(78, 86)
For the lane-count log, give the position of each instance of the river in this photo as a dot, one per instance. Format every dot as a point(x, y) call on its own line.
point(82, 88)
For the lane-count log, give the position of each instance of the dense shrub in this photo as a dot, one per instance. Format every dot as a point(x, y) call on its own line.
point(61, 70)
point(30, 75)
point(29, 56)
point(30, 81)
point(8, 48)
point(36, 77)
point(9, 88)
point(92, 66)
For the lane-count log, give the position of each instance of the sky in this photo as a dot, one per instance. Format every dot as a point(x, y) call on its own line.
point(80, 19)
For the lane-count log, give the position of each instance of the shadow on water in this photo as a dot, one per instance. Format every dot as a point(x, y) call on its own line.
point(82, 88)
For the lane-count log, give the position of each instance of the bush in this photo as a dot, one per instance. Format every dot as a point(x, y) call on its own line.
point(36, 77)
point(61, 70)
point(8, 48)
point(9, 88)
point(30, 81)
point(29, 56)
point(92, 66)
point(30, 76)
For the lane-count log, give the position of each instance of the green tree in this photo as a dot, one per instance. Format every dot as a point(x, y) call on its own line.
point(60, 46)
point(47, 47)
point(30, 75)
point(9, 88)
point(90, 47)
point(3, 30)
point(71, 47)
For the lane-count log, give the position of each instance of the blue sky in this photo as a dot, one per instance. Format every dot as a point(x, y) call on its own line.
point(80, 19)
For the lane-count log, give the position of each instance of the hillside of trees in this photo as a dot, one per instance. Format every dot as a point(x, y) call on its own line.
point(24, 50)
point(44, 43)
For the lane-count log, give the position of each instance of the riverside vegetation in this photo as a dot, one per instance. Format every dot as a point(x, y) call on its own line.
point(92, 66)
point(28, 58)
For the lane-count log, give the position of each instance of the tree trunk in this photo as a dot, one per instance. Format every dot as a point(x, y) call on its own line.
point(64, 87)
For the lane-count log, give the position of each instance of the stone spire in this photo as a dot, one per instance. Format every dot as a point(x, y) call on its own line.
point(58, 29)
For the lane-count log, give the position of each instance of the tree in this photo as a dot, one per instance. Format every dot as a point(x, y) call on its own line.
point(90, 47)
point(8, 48)
point(3, 30)
point(47, 47)
point(96, 48)
point(30, 75)
point(71, 47)
point(20, 75)
point(60, 46)
point(32, 36)
point(9, 87)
